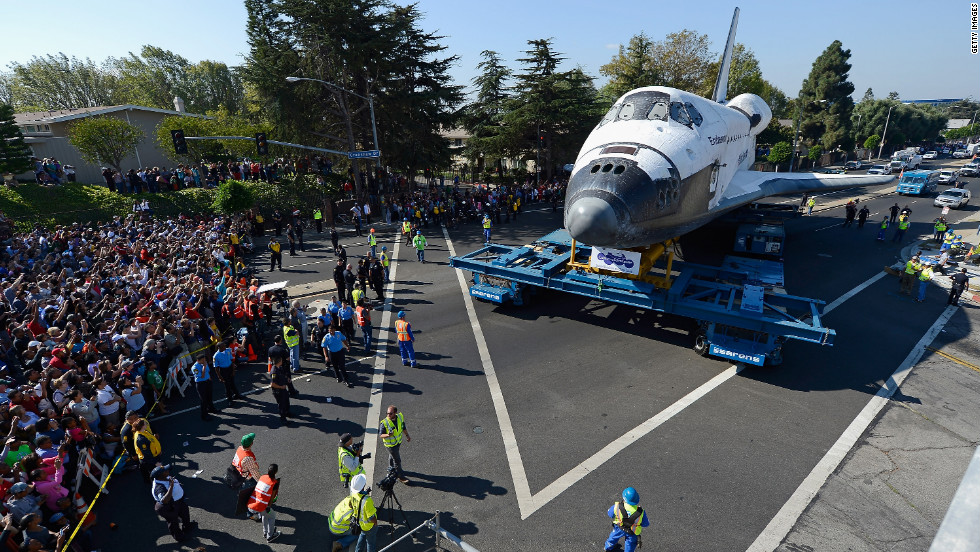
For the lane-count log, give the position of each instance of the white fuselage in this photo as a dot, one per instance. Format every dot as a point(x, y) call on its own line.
point(658, 164)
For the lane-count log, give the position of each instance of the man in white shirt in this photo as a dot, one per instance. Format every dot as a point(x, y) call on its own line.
point(170, 504)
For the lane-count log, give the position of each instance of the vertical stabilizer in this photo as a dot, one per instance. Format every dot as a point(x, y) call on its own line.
point(721, 84)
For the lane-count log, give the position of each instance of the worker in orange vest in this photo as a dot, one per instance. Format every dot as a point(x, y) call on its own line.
point(260, 503)
point(406, 340)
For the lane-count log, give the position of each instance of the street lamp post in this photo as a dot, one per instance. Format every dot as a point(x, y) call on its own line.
point(885, 133)
point(370, 101)
point(796, 135)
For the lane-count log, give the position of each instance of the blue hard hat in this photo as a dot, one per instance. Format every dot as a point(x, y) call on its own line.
point(401, 314)
point(418, 232)
point(631, 496)
point(959, 237)
point(384, 248)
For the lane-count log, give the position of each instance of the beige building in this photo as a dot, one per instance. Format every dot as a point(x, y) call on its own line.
point(46, 133)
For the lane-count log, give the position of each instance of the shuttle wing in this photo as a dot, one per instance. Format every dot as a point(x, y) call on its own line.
point(748, 186)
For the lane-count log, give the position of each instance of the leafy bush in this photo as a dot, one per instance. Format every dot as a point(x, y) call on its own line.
point(234, 196)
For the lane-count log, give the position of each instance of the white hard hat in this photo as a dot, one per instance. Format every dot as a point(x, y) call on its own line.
point(358, 483)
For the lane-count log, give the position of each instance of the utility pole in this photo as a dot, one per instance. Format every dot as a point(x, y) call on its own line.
point(883, 134)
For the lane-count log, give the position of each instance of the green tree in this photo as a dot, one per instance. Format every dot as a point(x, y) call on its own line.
point(963, 109)
point(683, 61)
point(872, 142)
point(780, 152)
point(6, 88)
point(14, 154)
point(483, 118)
point(829, 122)
point(156, 76)
point(560, 106)
point(632, 67)
point(233, 197)
point(58, 82)
point(105, 140)
point(815, 152)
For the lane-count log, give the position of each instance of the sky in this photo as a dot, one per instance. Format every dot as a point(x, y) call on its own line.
point(923, 54)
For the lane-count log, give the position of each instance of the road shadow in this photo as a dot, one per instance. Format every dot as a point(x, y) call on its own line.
point(467, 486)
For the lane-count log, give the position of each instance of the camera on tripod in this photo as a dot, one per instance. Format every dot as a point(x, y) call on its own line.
point(388, 483)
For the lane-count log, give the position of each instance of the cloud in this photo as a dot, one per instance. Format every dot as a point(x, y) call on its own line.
point(612, 46)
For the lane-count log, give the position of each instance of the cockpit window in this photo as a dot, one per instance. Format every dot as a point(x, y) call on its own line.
point(659, 111)
point(610, 115)
point(679, 113)
point(694, 113)
point(626, 113)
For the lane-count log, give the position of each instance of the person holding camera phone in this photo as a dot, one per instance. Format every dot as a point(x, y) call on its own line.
point(349, 458)
point(391, 430)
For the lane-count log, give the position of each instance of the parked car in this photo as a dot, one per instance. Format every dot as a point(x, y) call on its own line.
point(953, 199)
point(929, 155)
point(961, 154)
point(879, 169)
point(829, 170)
point(970, 169)
point(948, 176)
point(852, 165)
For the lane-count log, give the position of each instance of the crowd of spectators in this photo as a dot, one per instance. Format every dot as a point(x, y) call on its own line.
point(91, 318)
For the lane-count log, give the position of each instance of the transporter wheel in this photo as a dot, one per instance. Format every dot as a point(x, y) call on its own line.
point(701, 344)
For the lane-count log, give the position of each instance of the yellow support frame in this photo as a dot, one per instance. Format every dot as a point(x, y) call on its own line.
point(649, 256)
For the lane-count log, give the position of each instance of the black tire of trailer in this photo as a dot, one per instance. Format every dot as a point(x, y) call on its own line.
point(701, 346)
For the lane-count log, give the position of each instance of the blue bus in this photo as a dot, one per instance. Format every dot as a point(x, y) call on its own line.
point(918, 182)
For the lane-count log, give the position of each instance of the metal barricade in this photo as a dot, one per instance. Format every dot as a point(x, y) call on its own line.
point(441, 535)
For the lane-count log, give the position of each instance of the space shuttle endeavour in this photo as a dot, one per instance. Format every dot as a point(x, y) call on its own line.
point(663, 162)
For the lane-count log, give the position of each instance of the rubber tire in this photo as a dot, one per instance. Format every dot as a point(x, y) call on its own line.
point(701, 346)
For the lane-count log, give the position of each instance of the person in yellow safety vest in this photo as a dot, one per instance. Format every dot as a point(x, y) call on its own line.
point(318, 220)
point(881, 229)
point(147, 447)
point(349, 459)
point(903, 225)
point(407, 229)
point(355, 518)
point(940, 228)
point(406, 340)
point(260, 503)
point(419, 242)
point(809, 205)
point(924, 276)
point(947, 242)
point(385, 260)
point(373, 242)
point(391, 430)
point(908, 275)
point(486, 229)
point(629, 519)
point(357, 294)
point(291, 336)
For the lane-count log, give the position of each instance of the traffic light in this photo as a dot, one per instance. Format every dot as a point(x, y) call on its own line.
point(180, 144)
point(261, 144)
point(541, 139)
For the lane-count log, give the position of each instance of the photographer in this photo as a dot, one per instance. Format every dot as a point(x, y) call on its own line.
point(355, 518)
point(349, 458)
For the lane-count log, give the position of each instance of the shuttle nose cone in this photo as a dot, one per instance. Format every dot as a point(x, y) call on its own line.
point(592, 221)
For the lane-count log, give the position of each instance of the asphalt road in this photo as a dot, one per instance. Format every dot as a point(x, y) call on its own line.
point(574, 375)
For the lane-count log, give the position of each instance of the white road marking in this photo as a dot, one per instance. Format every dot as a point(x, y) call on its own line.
point(612, 449)
point(378, 380)
point(529, 503)
point(786, 518)
point(840, 300)
point(835, 225)
point(521, 486)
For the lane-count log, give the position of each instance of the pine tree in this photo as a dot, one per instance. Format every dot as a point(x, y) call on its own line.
point(483, 118)
point(828, 122)
point(15, 156)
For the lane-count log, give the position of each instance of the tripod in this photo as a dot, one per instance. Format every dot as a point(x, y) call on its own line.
point(386, 502)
